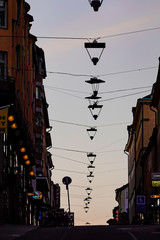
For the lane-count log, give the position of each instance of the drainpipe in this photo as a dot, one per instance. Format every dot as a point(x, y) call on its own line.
point(155, 114)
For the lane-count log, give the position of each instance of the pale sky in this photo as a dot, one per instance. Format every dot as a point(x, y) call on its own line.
point(68, 109)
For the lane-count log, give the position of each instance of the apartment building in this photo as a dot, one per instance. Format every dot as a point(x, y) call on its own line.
point(25, 161)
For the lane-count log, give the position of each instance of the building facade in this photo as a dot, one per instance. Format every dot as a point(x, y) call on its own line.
point(139, 133)
point(25, 162)
point(122, 199)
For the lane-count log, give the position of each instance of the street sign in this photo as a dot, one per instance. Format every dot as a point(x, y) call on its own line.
point(37, 195)
point(156, 176)
point(155, 196)
point(141, 203)
point(156, 179)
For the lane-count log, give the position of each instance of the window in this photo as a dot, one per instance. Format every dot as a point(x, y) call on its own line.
point(18, 11)
point(18, 56)
point(39, 121)
point(38, 93)
point(3, 64)
point(3, 13)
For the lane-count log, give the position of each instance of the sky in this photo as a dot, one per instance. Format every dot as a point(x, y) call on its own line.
point(128, 65)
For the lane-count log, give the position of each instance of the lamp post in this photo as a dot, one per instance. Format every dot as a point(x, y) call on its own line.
point(66, 181)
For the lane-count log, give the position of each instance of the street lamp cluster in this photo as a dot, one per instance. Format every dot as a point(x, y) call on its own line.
point(91, 157)
point(94, 106)
point(88, 199)
point(20, 145)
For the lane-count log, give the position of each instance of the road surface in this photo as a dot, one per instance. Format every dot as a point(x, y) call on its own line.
point(85, 233)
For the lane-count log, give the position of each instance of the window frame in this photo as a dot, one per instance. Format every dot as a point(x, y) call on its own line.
point(18, 56)
point(4, 10)
point(3, 62)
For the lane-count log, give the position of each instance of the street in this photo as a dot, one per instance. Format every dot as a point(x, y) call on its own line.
point(81, 232)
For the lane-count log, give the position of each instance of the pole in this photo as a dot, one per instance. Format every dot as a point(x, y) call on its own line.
point(68, 204)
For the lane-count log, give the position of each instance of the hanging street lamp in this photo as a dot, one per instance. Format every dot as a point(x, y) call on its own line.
point(95, 107)
point(94, 45)
point(93, 97)
point(90, 177)
point(86, 208)
point(95, 83)
point(86, 202)
point(91, 157)
point(89, 190)
point(95, 4)
point(91, 132)
point(91, 168)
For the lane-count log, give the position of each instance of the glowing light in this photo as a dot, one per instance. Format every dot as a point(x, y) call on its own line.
point(11, 118)
point(14, 125)
point(31, 173)
point(28, 162)
point(22, 149)
point(25, 157)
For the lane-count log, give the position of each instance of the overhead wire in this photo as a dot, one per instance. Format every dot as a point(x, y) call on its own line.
point(126, 89)
point(108, 92)
point(91, 75)
point(85, 38)
point(67, 93)
point(128, 33)
point(65, 170)
point(115, 170)
point(70, 159)
point(128, 95)
point(104, 100)
point(70, 150)
point(105, 74)
point(83, 125)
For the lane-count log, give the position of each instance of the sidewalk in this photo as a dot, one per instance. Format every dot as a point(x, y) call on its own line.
point(10, 232)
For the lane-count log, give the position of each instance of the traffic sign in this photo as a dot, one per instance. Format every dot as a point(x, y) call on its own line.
point(141, 203)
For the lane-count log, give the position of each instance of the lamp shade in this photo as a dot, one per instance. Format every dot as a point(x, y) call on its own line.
point(95, 4)
point(94, 45)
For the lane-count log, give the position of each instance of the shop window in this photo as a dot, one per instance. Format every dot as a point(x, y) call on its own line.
point(3, 13)
point(3, 64)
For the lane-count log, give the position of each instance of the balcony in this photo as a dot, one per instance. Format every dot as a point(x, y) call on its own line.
point(7, 90)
